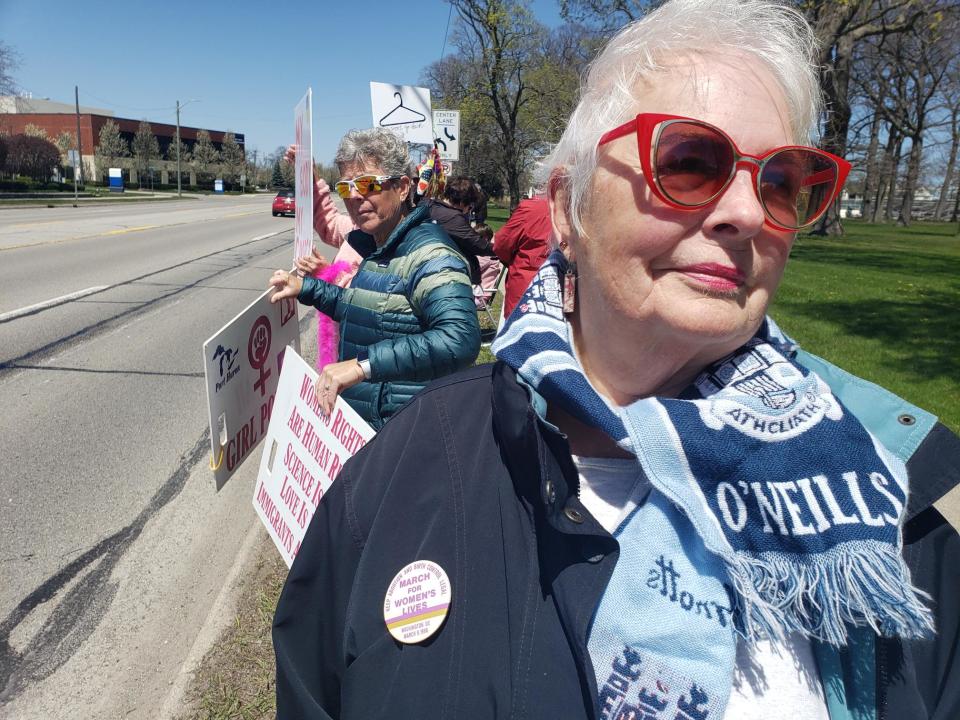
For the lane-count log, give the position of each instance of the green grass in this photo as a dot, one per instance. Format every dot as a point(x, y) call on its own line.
point(882, 302)
point(497, 216)
point(235, 681)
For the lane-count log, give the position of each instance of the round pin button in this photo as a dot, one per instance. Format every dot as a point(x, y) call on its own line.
point(417, 601)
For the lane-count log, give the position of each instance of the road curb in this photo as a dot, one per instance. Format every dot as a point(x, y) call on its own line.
point(218, 619)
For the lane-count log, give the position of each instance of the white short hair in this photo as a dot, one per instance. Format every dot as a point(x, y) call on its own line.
point(775, 34)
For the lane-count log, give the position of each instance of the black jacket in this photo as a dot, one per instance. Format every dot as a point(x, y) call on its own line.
point(458, 227)
point(492, 492)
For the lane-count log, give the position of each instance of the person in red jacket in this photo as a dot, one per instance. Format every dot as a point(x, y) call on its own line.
point(522, 246)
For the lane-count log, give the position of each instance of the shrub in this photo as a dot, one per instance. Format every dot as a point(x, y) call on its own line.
point(32, 156)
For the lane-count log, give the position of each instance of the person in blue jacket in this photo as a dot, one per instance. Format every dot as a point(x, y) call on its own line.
point(655, 505)
point(408, 315)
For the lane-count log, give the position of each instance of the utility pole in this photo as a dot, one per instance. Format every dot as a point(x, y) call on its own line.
point(179, 150)
point(79, 168)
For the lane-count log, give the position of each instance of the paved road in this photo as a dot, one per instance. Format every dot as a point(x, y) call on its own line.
point(115, 543)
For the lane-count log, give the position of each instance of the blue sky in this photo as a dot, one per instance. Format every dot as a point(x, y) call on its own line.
point(247, 63)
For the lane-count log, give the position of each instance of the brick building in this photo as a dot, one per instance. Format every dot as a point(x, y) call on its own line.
point(16, 113)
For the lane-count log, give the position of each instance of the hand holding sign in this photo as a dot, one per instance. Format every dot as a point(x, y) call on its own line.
point(287, 285)
point(312, 263)
point(335, 378)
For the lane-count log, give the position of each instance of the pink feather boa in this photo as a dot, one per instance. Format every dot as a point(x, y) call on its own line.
point(327, 330)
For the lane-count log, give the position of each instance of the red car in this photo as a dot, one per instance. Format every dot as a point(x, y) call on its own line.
point(284, 203)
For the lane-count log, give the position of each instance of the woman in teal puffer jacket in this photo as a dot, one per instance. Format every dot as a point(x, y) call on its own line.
point(408, 316)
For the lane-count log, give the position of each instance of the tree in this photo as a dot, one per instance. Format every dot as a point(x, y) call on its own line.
point(840, 27)
point(904, 77)
point(329, 173)
point(31, 156)
point(146, 149)
point(276, 178)
point(111, 148)
point(9, 61)
point(178, 148)
point(951, 104)
point(205, 158)
point(507, 86)
point(606, 15)
point(3, 151)
point(65, 142)
point(233, 159)
point(32, 130)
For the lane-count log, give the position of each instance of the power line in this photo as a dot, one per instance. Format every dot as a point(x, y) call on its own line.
point(446, 32)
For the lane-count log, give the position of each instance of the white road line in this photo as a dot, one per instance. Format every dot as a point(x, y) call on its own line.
point(13, 314)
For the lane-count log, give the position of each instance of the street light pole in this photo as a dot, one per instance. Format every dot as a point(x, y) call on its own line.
point(179, 149)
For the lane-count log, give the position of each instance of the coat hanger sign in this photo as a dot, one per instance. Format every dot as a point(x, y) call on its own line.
point(404, 109)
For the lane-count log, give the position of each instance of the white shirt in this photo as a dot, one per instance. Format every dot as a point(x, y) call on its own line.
point(769, 680)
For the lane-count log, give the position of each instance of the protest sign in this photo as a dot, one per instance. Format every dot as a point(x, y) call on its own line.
point(303, 209)
point(404, 109)
point(241, 364)
point(446, 133)
point(302, 456)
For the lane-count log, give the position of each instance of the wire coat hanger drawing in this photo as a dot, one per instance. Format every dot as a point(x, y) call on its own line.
point(407, 117)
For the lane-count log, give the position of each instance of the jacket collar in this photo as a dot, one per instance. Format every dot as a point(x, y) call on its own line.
point(417, 216)
point(538, 456)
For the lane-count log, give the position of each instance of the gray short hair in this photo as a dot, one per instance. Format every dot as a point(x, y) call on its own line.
point(770, 31)
point(376, 146)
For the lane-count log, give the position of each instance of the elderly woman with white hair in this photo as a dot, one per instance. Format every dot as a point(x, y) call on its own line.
point(408, 316)
point(654, 505)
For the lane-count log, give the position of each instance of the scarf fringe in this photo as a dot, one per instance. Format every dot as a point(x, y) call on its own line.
point(819, 595)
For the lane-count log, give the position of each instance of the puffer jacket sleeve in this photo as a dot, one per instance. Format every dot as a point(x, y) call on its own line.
point(439, 292)
point(320, 294)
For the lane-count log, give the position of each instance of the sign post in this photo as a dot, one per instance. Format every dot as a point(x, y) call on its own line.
point(303, 210)
point(302, 456)
point(446, 133)
point(241, 364)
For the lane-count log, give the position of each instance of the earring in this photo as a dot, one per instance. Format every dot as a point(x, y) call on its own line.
point(570, 289)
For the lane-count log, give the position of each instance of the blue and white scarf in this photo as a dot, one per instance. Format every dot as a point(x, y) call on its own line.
point(798, 505)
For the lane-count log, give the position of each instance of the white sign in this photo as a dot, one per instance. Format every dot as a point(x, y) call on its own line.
point(73, 158)
point(446, 133)
point(304, 452)
point(241, 363)
point(303, 210)
point(405, 109)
